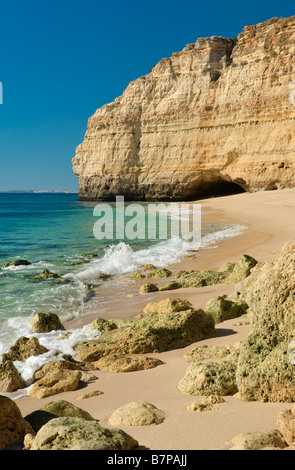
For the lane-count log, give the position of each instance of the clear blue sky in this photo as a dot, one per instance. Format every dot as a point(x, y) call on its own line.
point(61, 60)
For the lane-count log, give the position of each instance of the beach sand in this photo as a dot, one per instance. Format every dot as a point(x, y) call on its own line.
point(269, 218)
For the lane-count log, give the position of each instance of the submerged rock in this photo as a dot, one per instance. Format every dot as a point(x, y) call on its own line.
point(46, 322)
point(137, 414)
point(46, 274)
point(12, 425)
point(68, 433)
point(16, 262)
point(264, 370)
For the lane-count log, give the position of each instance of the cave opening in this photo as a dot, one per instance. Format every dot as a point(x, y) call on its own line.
point(218, 189)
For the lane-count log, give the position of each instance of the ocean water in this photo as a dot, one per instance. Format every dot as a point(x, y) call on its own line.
point(54, 231)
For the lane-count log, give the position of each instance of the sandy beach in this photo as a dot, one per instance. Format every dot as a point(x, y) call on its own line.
point(269, 218)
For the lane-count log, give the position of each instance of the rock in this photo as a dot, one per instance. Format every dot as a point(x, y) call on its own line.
point(87, 377)
point(258, 440)
point(12, 425)
point(16, 262)
point(46, 274)
point(68, 433)
point(286, 425)
point(60, 365)
point(156, 332)
point(104, 276)
point(147, 288)
point(171, 286)
point(46, 322)
point(25, 348)
point(206, 403)
point(56, 382)
point(211, 378)
point(148, 267)
point(137, 276)
point(55, 409)
point(168, 305)
point(89, 255)
point(161, 272)
point(93, 393)
point(10, 378)
point(224, 308)
point(201, 278)
point(242, 269)
point(103, 325)
point(137, 414)
point(265, 372)
point(150, 143)
point(117, 364)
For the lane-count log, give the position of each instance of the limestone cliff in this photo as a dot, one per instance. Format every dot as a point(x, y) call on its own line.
point(218, 112)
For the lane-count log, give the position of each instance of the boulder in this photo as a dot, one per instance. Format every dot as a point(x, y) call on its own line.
point(159, 273)
point(147, 288)
point(156, 332)
point(56, 382)
point(16, 262)
point(12, 425)
point(25, 348)
point(204, 352)
point(10, 378)
point(46, 274)
point(55, 409)
point(147, 267)
point(286, 425)
point(54, 366)
point(258, 440)
point(211, 378)
point(137, 413)
point(265, 371)
point(171, 286)
point(225, 307)
point(69, 433)
point(46, 322)
point(242, 269)
point(137, 276)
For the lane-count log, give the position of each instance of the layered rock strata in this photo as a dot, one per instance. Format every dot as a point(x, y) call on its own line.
point(217, 116)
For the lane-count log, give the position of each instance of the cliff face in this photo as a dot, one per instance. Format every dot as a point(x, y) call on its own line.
point(218, 112)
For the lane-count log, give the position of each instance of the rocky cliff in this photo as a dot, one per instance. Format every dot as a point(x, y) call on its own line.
point(218, 115)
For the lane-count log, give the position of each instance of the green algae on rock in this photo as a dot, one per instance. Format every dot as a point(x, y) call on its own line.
point(156, 332)
point(149, 287)
point(16, 262)
point(161, 272)
point(69, 433)
point(225, 307)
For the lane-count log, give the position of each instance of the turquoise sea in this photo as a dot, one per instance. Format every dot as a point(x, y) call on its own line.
point(53, 231)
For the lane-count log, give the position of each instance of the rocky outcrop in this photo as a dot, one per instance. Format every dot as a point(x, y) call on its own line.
point(215, 115)
point(265, 367)
point(12, 425)
point(137, 414)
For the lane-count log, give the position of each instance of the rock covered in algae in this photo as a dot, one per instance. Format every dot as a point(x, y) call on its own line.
point(137, 414)
point(161, 330)
point(149, 287)
point(117, 364)
point(258, 440)
point(161, 272)
point(211, 378)
point(55, 409)
point(225, 307)
point(16, 262)
point(69, 433)
point(286, 425)
point(264, 371)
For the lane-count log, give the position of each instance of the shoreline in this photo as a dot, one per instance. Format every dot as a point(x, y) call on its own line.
point(268, 216)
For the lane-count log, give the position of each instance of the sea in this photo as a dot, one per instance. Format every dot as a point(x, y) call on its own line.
point(55, 231)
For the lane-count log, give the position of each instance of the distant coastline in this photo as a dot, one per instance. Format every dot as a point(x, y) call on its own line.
point(25, 191)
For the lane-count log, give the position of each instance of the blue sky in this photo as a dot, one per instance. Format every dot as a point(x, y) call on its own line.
point(61, 60)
